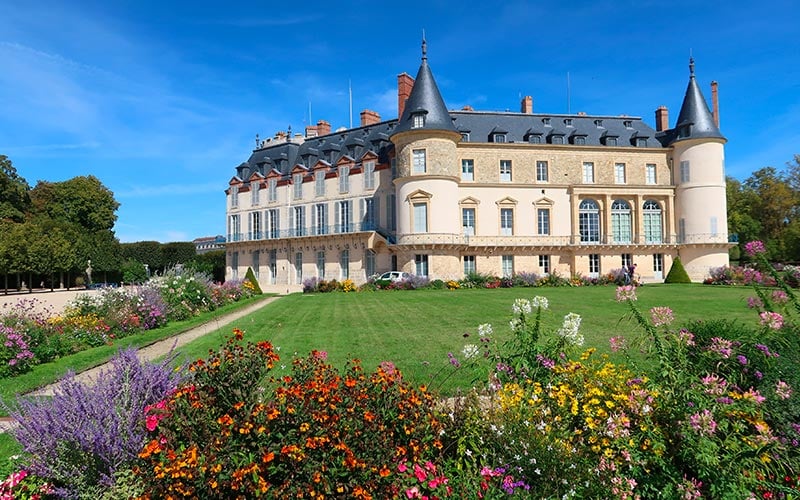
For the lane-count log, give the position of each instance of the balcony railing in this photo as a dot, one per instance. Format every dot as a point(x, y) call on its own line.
point(302, 232)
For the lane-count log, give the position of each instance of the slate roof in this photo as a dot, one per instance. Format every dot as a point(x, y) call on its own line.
point(425, 99)
point(695, 119)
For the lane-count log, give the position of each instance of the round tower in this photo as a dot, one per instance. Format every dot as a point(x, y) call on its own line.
point(427, 169)
point(698, 166)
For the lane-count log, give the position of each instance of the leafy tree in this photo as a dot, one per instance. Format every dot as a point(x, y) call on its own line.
point(133, 272)
point(212, 263)
point(14, 199)
point(146, 252)
point(178, 252)
point(81, 200)
point(50, 249)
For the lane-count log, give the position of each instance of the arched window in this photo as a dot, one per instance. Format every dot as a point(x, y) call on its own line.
point(589, 221)
point(621, 221)
point(651, 212)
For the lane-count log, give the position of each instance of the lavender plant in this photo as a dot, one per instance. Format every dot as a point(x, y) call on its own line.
point(85, 434)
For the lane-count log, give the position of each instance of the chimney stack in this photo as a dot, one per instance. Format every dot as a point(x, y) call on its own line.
point(662, 118)
point(368, 117)
point(323, 128)
point(404, 85)
point(526, 106)
point(715, 103)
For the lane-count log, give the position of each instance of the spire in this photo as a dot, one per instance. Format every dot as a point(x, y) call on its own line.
point(426, 102)
point(695, 119)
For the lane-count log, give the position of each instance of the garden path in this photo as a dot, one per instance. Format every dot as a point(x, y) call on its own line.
point(163, 347)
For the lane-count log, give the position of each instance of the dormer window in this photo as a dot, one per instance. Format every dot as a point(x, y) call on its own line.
point(641, 142)
point(580, 140)
point(464, 136)
point(418, 120)
point(598, 123)
point(684, 131)
point(557, 139)
point(546, 122)
point(627, 124)
point(498, 137)
point(535, 139)
point(568, 122)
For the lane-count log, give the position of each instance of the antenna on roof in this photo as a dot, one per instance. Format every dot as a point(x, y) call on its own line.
point(257, 139)
point(350, 90)
point(568, 94)
point(424, 46)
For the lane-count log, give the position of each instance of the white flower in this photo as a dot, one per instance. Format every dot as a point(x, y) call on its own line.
point(521, 306)
point(540, 301)
point(485, 330)
point(569, 329)
point(515, 324)
point(470, 351)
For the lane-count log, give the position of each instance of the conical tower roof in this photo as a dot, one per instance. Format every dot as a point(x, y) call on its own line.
point(695, 119)
point(425, 100)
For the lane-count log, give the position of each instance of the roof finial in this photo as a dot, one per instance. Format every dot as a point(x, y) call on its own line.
point(691, 64)
point(424, 46)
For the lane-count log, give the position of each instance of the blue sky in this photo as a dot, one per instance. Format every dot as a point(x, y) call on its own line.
point(161, 100)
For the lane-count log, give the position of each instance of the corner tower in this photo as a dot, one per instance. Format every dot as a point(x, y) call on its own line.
point(698, 169)
point(425, 152)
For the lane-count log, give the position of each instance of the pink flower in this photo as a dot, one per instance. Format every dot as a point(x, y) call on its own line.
point(420, 473)
point(625, 293)
point(320, 355)
point(412, 492)
point(753, 395)
point(779, 297)
point(617, 343)
point(771, 320)
point(151, 422)
point(661, 316)
point(754, 248)
point(783, 390)
point(754, 303)
point(402, 468)
point(703, 423)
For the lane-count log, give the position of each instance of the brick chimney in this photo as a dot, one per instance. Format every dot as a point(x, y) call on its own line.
point(368, 117)
point(323, 127)
point(404, 85)
point(715, 103)
point(526, 106)
point(311, 131)
point(662, 118)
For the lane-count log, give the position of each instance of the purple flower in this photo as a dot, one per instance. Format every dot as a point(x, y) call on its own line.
point(754, 248)
point(721, 346)
point(453, 360)
point(742, 360)
point(754, 303)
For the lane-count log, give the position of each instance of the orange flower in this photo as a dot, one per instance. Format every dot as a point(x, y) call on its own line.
point(268, 457)
point(384, 472)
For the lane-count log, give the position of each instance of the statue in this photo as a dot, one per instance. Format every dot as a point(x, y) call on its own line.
point(89, 273)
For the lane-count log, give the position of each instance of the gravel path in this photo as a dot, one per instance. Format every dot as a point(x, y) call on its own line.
point(160, 348)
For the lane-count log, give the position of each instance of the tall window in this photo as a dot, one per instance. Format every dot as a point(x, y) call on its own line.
point(235, 265)
point(626, 260)
point(421, 265)
point(234, 228)
point(594, 265)
point(469, 264)
point(621, 221)
point(234, 196)
point(651, 219)
point(467, 170)
point(297, 222)
point(369, 175)
point(542, 175)
point(297, 182)
point(713, 226)
point(589, 221)
point(542, 221)
point(273, 220)
point(420, 217)
point(369, 262)
point(619, 173)
point(321, 264)
point(255, 225)
point(418, 161)
point(344, 179)
point(658, 263)
point(650, 173)
point(256, 263)
point(344, 216)
point(418, 120)
point(392, 212)
point(369, 219)
point(321, 218)
point(254, 192)
point(682, 231)
point(319, 183)
point(506, 221)
point(685, 174)
point(505, 170)
point(344, 264)
point(468, 221)
point(273, 266)
point(544, 264)
point(272, 189)
point(507, 266)
point(588, 172)
point(298, 267)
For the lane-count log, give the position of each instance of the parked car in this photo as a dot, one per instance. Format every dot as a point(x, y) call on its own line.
point(394, 276)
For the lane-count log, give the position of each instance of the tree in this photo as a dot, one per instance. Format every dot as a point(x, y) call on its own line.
point(14, 199)
point(81, 200)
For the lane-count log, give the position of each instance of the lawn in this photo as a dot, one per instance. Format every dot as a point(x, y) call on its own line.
point(416, 329)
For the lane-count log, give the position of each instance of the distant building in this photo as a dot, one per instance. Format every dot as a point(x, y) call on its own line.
point(443, 193)
point(209, 243)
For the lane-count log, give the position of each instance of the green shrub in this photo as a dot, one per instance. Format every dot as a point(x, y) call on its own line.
point(677, 274)
point(438, 285)
point(250, 277)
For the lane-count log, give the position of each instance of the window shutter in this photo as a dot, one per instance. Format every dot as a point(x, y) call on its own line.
point(337, 216)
